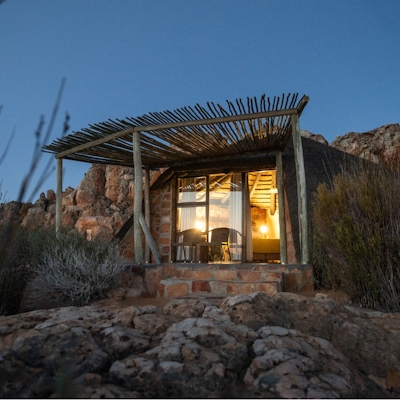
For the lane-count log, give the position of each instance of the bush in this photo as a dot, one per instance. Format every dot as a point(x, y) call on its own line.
point(77, 271)
point(356, 244)
point(12, 268)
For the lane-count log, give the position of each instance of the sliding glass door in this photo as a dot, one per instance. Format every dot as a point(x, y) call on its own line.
point(213, 202)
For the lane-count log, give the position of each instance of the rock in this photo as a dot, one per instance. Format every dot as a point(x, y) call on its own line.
point(116, 293)
point(379, 145)
point(150, 352)
point(317, 137)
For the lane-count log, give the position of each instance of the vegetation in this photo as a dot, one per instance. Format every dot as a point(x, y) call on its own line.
point(356, 243)
point(76, 271)
point(65, 267)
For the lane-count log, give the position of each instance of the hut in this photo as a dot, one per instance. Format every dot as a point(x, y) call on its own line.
point(229, 210)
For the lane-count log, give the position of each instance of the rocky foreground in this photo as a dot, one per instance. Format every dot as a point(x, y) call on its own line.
point(281, 346)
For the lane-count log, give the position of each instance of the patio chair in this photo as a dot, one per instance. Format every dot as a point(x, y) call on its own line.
point(186, 240)
point(219, 238)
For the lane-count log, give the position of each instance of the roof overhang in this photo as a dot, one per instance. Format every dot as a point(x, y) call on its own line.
point(187, 135)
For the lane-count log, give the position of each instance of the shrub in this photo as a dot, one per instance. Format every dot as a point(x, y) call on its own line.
point(12, 269)
point(77, 271)
point(357, 236)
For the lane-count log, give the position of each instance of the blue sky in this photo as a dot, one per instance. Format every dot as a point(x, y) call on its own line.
point(129, 57)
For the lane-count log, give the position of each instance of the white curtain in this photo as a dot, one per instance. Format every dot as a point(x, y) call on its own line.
point(247, 215)
point(187, 214)
point(236, 215)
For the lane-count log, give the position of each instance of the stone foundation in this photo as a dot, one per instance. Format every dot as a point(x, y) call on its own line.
point(183, 279)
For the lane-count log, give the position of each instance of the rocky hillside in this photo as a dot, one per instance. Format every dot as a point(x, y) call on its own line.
point(102, 202)
point(379, 145)
point(284, 346)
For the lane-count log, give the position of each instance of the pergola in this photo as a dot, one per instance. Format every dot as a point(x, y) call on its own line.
point(191, 135)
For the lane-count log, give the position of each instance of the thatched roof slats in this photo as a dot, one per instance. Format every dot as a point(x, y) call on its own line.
point(223, 127)
point(224, 135)
point(282, 101)
point(118, 126)
point(177, 140)
point(274, 103)
point(173, 117)
point(232, 109)
point(293, 102)
point(196, 132)
point(230, 127)
point(287, 100)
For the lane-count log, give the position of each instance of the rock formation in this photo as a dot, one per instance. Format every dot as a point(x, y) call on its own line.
point(100, 205)
point(379, 145)
point(254, 345)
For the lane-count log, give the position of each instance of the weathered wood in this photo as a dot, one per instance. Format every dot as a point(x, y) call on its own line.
point(253, 188)
point(301, 189)
point(149, 239)
point(146, 187)
point(137, 200)
point(59, 195)
point(281, 206)
point(173, 128)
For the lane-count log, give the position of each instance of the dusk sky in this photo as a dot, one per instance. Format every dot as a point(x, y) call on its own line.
point(124, 58)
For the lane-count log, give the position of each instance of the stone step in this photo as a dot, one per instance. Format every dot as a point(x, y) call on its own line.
point(231, 274)
point(173, 288)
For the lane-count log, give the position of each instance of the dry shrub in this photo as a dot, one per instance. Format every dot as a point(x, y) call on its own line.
point(77, 271)
point(356, 246)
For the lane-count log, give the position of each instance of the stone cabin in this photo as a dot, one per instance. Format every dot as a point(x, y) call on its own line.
point(228, 207)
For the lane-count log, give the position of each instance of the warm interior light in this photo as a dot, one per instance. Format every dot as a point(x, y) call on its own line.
point(199, 225)
point(263, 229)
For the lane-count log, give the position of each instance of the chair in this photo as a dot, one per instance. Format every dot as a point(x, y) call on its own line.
point(186, 240)
point(219, 238)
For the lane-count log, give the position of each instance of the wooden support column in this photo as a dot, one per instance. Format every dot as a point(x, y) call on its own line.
point(301, 189)
point(146, 180)
point(59, 195)
point(281, 206)
point(137, 199)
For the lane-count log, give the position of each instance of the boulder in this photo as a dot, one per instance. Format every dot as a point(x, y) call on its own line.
point(250, 346)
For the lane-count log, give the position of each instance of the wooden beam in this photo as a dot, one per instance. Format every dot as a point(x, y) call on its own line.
point(253, 188)
point(146, 181)
point(149, 239)
point(171, 125)
point(281, 206)
point(301, 189)
point(59, 195)
point(137, 200)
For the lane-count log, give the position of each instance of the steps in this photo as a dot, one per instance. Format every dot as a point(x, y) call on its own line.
point(179, 280)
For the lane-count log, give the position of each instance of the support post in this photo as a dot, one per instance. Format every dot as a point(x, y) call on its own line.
point(137, 199)
point(59, 195)
point(301, 189)
point(146, 180)
point(281, 206)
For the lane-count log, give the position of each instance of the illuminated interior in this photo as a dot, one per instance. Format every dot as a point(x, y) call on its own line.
point(250, 212)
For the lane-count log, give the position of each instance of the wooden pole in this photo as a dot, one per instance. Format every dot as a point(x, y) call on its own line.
point(146, 180)
point(281, 206)
point(301, 189)
point(137, 199)
point(59, 195)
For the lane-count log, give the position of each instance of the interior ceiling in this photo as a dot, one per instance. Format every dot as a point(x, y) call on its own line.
point(262, 186)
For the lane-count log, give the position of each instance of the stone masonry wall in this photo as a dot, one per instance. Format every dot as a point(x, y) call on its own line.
point(161, 209)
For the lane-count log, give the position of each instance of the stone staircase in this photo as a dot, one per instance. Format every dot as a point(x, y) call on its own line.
point(178, 280)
